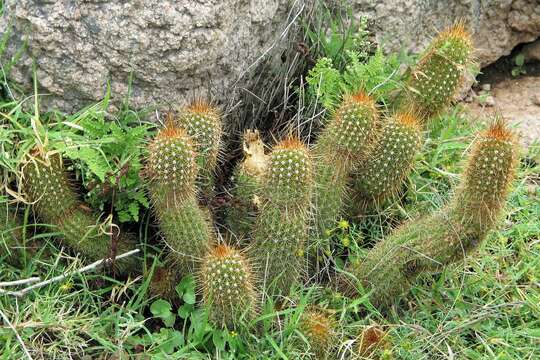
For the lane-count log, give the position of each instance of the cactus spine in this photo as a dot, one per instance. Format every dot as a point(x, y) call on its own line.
point(46, 184)
point(390, 162)
point(228, 286)
point(172, 171)
point(202, 123)
point(281, 229)
point(320, 331)
point(341, 147)
point(455, 231)
point(437, 76)
point(242, 211)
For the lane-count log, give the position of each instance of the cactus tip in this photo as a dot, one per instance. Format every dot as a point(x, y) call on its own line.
point(409, 119)
point(457, 31)
point(362, 97)
point(498, 129)
point(201, 106)
point(290, 143)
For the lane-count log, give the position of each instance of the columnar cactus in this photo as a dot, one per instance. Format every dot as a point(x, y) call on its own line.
point(171, 171)
point(281, 229)
point(434, 81)
point(319, 329)
point(447, 236)
point(202, 122)
point(241, 213)
point(390, 162)
point(47, 186)
point(228, 286)
point(342, 146)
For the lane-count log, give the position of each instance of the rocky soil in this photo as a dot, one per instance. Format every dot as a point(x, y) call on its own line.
point(517, 99)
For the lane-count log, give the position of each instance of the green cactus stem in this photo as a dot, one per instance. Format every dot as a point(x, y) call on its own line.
point(46, 184)
point(171, 171)
point(281, 228)
point(449, 235)
point(228, 287)
point(242, 211)
point(389, 164)
point(432, 84)
point(202, 122)
point(342, 146)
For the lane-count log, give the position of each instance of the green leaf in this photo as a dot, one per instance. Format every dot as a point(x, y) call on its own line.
point(92, 158)
point(185, 310)
point(519, 59)
point(186, 289)
point(162, 309)
point(170, 340)
point(133, 208)
point(218, 339)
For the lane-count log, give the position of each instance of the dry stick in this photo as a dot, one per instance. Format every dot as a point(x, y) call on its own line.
point(19, 282)
point(92, 266)
point(6, 320)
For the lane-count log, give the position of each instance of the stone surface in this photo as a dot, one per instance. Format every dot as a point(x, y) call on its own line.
point(536, 98)
point(171, 50)
point(514, 100)
point(497, 25)
point(531, 52)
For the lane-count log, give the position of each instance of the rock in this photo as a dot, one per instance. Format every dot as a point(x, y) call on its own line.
point(169, 50)
point(489, 101)
point(536, 99)
point(497, 25)
point(486, 87)
point(531, 52)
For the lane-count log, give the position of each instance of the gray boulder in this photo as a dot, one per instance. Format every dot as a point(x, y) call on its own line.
point(497, 25)
point(169, 51)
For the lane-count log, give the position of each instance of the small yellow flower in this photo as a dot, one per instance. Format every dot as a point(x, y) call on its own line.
point(233, 334)
point(66, 286)
point(346, 241)
point(343, 224)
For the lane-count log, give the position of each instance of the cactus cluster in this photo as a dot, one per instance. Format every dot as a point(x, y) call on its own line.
point(362, 156)
point(281, 230)
point(172, 172)
point(429, 244)
point(340, 149)
point(47, 186)
point(228, 286)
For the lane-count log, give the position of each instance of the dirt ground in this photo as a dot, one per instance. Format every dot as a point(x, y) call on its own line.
point(517, 99)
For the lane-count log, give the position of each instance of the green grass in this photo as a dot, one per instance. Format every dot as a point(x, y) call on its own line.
point(486, 308)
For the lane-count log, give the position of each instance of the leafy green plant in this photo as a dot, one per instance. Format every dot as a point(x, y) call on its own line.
point(333, 33)
point(377, 75)
point(110, 168)
point(519, 65)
